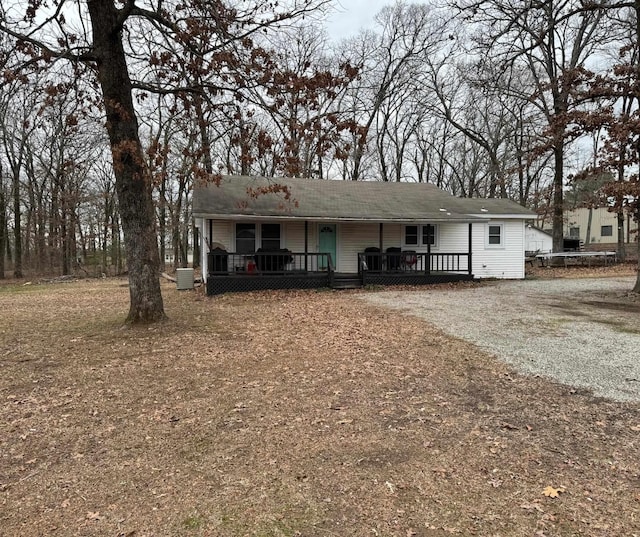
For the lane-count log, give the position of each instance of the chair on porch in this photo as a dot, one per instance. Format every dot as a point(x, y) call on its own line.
point(394, 258)
point(409, 260)
point(218, 259)
point(373, 259)
point(273, 260)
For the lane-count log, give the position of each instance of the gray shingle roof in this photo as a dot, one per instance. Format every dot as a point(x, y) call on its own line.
point(345, 200)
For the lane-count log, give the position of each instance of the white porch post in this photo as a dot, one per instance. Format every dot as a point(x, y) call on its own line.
point(470, 267)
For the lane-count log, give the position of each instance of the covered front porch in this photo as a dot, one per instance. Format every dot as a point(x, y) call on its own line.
point(351, 233)
point(233, 272)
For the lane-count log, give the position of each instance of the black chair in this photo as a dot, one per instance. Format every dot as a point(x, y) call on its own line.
point(273, 260)
point(394, 259)
point(218, 260)
point(372, 258)
point(284, 258)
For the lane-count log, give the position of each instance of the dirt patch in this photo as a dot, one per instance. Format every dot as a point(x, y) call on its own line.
point(619, 303)
point(289, 413)
point(536, 271)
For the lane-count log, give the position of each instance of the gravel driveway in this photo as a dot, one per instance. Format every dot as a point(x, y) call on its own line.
point(580, 332)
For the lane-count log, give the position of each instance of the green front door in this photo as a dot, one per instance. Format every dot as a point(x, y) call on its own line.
point(327, 244)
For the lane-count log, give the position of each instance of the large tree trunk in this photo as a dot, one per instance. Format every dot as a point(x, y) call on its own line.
point(622, 254)
point(17, 226)
point(587, 239)
point(133, 183)
point(636, 216)
point(636, 287)
point(162, 216)
point(558, 201)
point(3, 224)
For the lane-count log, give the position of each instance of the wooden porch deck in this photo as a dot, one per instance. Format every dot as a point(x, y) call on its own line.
point(232, 272)
point(232, 283)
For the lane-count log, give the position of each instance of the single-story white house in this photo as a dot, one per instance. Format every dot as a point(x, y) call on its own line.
point(262, 233)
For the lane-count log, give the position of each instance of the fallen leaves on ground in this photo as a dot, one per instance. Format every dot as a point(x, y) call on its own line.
point(288, 413)
point(551, 492)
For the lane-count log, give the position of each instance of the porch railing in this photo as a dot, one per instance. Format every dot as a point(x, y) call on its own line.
point(281, 262)
point(414, 262)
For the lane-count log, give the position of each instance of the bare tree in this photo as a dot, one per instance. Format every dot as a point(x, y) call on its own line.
point(619, 119)
point(100, 39)
point(16, 125)
point(553, 40)
point(408, 34)
point(3, 223)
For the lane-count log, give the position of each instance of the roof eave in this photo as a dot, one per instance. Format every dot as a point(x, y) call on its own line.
point(240, 216)
point(495, 216)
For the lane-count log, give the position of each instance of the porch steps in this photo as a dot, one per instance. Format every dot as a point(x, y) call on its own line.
point(346, 281)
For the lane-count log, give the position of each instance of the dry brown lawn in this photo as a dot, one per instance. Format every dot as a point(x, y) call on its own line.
point(289, 414)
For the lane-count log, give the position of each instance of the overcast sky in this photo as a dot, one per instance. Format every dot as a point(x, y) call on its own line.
point(351, 15)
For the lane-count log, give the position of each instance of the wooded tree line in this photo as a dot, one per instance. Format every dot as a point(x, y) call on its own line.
point(484, 99)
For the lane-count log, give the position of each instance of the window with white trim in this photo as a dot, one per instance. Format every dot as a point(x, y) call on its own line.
point(425, 235)
point(270, 236)
point(495, 235)
point(245, 238)
point(411, 235)
point(429, 235)
point(250, 236)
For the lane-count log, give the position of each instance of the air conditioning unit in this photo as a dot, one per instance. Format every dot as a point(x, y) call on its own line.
point(184, 279)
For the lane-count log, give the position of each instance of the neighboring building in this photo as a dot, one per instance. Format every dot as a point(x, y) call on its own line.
point(537, 240)
point(603, 227)
point(169, 256)
point(374, 232)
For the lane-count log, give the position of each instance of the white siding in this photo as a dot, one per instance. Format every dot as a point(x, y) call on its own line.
point(353, 238)
point(313, 237)
point(536, 240)
point(452, 239)
point(294, 236)
point(391, 236)
point(223, 233)
point(505, 262)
